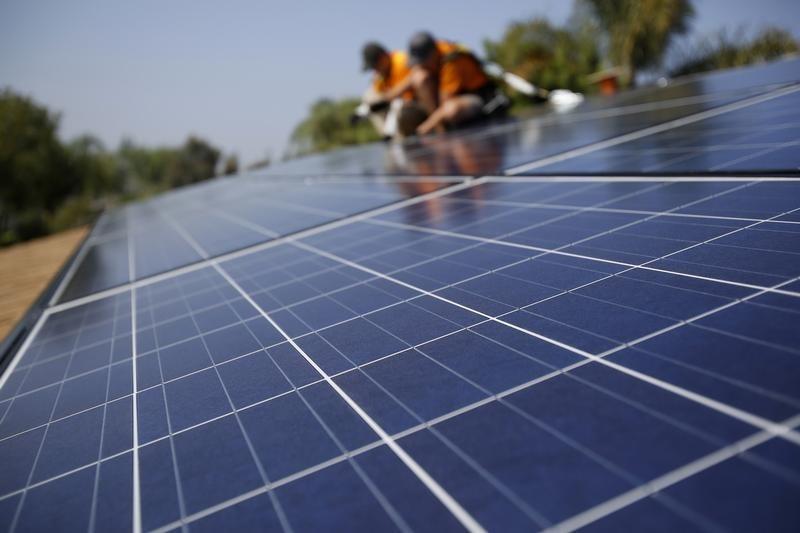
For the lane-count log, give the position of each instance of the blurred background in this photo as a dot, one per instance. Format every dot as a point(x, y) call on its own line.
point(105, 102)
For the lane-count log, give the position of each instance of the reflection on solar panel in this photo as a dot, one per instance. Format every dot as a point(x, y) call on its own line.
point(614, 353)
point(699, 105)
point(760, 137)
point(176, 230)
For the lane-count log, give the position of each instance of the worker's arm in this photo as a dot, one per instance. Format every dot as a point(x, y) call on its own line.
point(383, 99)
point(398, 90)
point(434, 123)
point(438, 96)
point(436, 117)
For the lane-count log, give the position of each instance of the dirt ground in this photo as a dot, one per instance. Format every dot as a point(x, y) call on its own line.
point(27, 268)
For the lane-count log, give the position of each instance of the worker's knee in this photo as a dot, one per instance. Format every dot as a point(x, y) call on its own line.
point(451, 109)
point(409, 118)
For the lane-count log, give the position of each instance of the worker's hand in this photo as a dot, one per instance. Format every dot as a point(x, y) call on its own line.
point(430, 126)
point(423, 130)
point(379, 105)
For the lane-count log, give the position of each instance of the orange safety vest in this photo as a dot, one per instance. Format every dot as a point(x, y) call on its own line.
point(460, 71)
point(398, 70)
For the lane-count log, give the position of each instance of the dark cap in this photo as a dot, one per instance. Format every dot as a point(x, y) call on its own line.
point(371, 53)
point(420, 47)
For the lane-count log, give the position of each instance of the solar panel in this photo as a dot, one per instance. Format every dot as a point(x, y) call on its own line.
point(491, 353)
point(221, 216)
point(697, 104)
point(759, 138)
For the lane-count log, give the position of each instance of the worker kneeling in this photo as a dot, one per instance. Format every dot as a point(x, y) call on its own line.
point(450, 84)
point(390, 101)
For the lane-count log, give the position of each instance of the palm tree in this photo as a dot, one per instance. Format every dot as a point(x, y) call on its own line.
point(640, 31)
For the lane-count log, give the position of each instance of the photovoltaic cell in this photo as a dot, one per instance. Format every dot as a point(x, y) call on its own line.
point(218, 217)
point(762, 138)
point(509, 145)
point(503, 353)
point(215, 376)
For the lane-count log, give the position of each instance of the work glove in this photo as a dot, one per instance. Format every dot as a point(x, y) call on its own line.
point(379, 105)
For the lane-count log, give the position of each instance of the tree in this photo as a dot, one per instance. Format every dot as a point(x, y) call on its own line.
point(97, 182)
point(35, 167)
point(47, 185)
point(640, 31)
point(143, 170)
point(148, 170)
point(231, 165)
point(264, 162)
point(546, 55)
point(95, 166)
point(328, 126)
point(195, 161)
point(725, 51)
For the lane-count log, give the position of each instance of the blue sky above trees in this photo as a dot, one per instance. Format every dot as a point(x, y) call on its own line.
point(243, 73)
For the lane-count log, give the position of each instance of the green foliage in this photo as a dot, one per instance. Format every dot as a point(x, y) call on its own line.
point(724, 50)
point(548, 56)
point(231, 166)
point(261, 163)
point(48, 185)
point(195, 161)
point(141, 168)
point(94, 165)
point(639, 32)
point(30, 154)
point(73, 211)
point(328, 126)
point(163, 168)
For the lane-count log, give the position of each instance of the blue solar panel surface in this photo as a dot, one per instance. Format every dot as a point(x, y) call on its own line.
point(764, 137)
point(705, 103)
point(222, 216)
point(494, 353)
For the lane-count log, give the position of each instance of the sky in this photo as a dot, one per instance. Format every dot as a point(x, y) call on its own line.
point(243, 73)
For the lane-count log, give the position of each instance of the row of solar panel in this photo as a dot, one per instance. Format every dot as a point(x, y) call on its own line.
point(224, 215)
point(763, 137)
point(467, 326)
point(513, 145)
point(451, 251)
point(256, 378)
point(167, 232)
point(459, 330)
